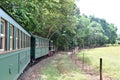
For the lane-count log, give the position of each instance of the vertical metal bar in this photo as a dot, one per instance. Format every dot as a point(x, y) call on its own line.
point(83, 61)
point(100, 68)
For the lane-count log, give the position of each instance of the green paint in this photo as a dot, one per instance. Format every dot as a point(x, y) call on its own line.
point(13, 63)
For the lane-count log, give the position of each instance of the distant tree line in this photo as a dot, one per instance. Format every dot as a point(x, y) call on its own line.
point(95, 31)
point(61, 21)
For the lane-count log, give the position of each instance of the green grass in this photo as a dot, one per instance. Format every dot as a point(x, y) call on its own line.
point(61, 68)
point(110, 56)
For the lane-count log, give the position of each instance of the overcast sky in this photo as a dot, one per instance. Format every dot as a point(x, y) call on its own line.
point(107, 9)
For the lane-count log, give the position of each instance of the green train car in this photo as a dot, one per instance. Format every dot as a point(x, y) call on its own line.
point(39, 47)
point(18, 47)
point(14, 47)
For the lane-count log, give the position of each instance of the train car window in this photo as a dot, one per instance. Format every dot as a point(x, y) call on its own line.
point(24, 41)
point(21, 40)
point(27, 42)
point(1, 43)
point(2, 35)
point(11, 37)
point(39, 43)
point(17, 38)
point(44, 43)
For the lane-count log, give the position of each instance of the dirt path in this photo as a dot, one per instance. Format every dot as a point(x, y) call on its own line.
point(33, 72)
point(88, 70)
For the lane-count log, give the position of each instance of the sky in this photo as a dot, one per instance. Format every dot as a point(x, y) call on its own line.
point(106, 9)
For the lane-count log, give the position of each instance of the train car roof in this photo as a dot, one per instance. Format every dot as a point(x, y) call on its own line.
point(5, 15)
point(36, 36)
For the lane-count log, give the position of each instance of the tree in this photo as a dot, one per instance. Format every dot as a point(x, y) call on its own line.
point(44, 18)
point(60, 20)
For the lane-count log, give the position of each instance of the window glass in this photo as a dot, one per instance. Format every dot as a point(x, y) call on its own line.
point(2, 34)
point(17, 38)
point(21, 39)
point(39, 43)
point(24, 41)
point(28, 41)
point(1, 27)
point(11, 30)
point(10, 44)
point(11, 37)
point(16, 33)
point(1, 43)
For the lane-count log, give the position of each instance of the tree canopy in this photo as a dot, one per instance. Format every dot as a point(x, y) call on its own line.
point(61, 21)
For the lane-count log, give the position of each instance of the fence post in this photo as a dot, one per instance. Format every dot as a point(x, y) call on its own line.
point(100, 68)
point(83, 61)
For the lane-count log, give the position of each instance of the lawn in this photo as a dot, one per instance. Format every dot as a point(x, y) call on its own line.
point(110, 56)
point(61, 68)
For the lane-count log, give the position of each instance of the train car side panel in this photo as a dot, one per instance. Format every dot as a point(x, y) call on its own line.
point(24, 59)
point(9, 66)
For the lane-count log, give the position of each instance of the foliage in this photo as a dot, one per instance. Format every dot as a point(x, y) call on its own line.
point(95, 32)
point(46, 18)
point(60, 20)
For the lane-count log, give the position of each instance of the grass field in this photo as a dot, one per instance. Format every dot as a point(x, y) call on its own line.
point(110, 56)
point(61, 68)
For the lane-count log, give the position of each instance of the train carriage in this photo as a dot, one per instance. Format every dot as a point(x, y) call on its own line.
point(14, 47)
point(39, 47)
